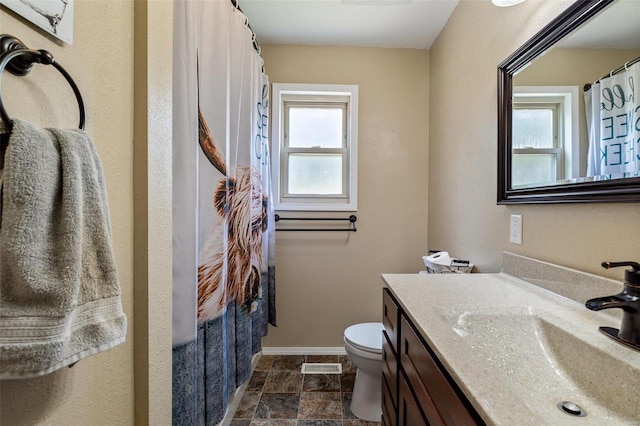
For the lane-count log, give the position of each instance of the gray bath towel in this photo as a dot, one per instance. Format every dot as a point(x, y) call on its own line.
point(59, 292)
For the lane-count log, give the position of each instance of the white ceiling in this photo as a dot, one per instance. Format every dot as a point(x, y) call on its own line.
point(375, 23)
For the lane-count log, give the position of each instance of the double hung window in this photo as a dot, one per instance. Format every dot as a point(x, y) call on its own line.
point(545, 138)
point(315, 147)
point(537, 143)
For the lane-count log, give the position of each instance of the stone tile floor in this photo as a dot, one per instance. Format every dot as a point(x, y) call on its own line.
point(278, 394)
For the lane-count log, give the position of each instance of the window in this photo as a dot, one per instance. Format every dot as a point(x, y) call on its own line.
point(537, 143)
point(315, 147)
point(544, 135)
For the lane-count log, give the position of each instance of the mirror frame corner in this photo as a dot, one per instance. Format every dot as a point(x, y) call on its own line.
point(619, 190)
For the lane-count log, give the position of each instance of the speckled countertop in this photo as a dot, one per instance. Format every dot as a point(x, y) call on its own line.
point(516, 349)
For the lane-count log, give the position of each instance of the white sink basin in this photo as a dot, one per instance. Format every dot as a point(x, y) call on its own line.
point(552, 361)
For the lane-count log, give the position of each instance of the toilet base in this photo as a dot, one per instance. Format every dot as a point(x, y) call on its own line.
point(366, 400)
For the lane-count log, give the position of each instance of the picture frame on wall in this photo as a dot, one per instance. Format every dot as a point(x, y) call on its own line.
point(53, 16)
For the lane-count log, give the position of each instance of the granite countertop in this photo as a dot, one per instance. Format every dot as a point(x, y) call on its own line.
point(484, 328)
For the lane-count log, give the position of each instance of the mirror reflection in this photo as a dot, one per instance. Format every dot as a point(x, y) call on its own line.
point(576, 108)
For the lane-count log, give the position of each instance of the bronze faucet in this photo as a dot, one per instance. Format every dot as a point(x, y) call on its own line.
point(628, 300)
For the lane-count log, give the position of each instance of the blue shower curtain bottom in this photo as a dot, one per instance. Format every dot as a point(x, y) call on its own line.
point(207, 371)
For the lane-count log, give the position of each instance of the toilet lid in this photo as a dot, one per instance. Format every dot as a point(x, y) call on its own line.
point(366, 336)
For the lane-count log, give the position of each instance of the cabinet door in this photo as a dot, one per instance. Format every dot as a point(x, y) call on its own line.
point(429, 383)
point(409, 413)
point(389, 412)
point(390, 369)
point(390, 318)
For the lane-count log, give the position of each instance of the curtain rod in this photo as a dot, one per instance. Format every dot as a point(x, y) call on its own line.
point(236, 4)
point(614, 72)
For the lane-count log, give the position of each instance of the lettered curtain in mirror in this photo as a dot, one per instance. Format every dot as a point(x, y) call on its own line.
point(613, 121)
point(223, 264)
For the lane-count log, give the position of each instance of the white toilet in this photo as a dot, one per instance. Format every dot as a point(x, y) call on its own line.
point(363, 343)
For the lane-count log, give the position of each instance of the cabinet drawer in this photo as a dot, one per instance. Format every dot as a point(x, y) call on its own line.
point(390, 369)
point(409, 413)
point(429, 383)
point(388, 407)
point(390, 318)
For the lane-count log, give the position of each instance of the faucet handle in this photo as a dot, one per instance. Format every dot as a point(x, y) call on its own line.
point(631, 276)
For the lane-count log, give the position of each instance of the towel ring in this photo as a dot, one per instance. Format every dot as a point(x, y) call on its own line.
point(18, 60)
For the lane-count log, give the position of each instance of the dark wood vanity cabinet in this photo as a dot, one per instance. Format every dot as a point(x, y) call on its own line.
point(416, 389)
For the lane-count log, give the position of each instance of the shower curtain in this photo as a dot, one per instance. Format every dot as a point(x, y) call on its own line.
point(612, 106)
point(223, 222)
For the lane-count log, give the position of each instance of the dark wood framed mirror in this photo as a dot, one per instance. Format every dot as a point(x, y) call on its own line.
point(573, 188)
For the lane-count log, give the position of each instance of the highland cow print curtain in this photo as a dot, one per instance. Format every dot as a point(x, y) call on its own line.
point(613, 120)
point(223, 263)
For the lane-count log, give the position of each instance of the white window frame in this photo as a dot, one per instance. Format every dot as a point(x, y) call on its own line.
point(298, 94)
point(567, 98)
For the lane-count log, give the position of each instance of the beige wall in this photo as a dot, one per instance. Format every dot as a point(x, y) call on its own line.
point(100, 390)
point(463, 215)
point(152, 218)
point(328, 281)
point(573, 66)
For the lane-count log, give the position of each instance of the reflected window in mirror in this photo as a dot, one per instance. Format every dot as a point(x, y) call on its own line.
point(537, 149)
point(545, 143)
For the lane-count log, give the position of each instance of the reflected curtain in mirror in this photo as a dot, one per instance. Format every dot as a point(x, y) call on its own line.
point(613, 120)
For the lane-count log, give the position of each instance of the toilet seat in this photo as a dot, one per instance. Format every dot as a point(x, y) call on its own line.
point(366, 336)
